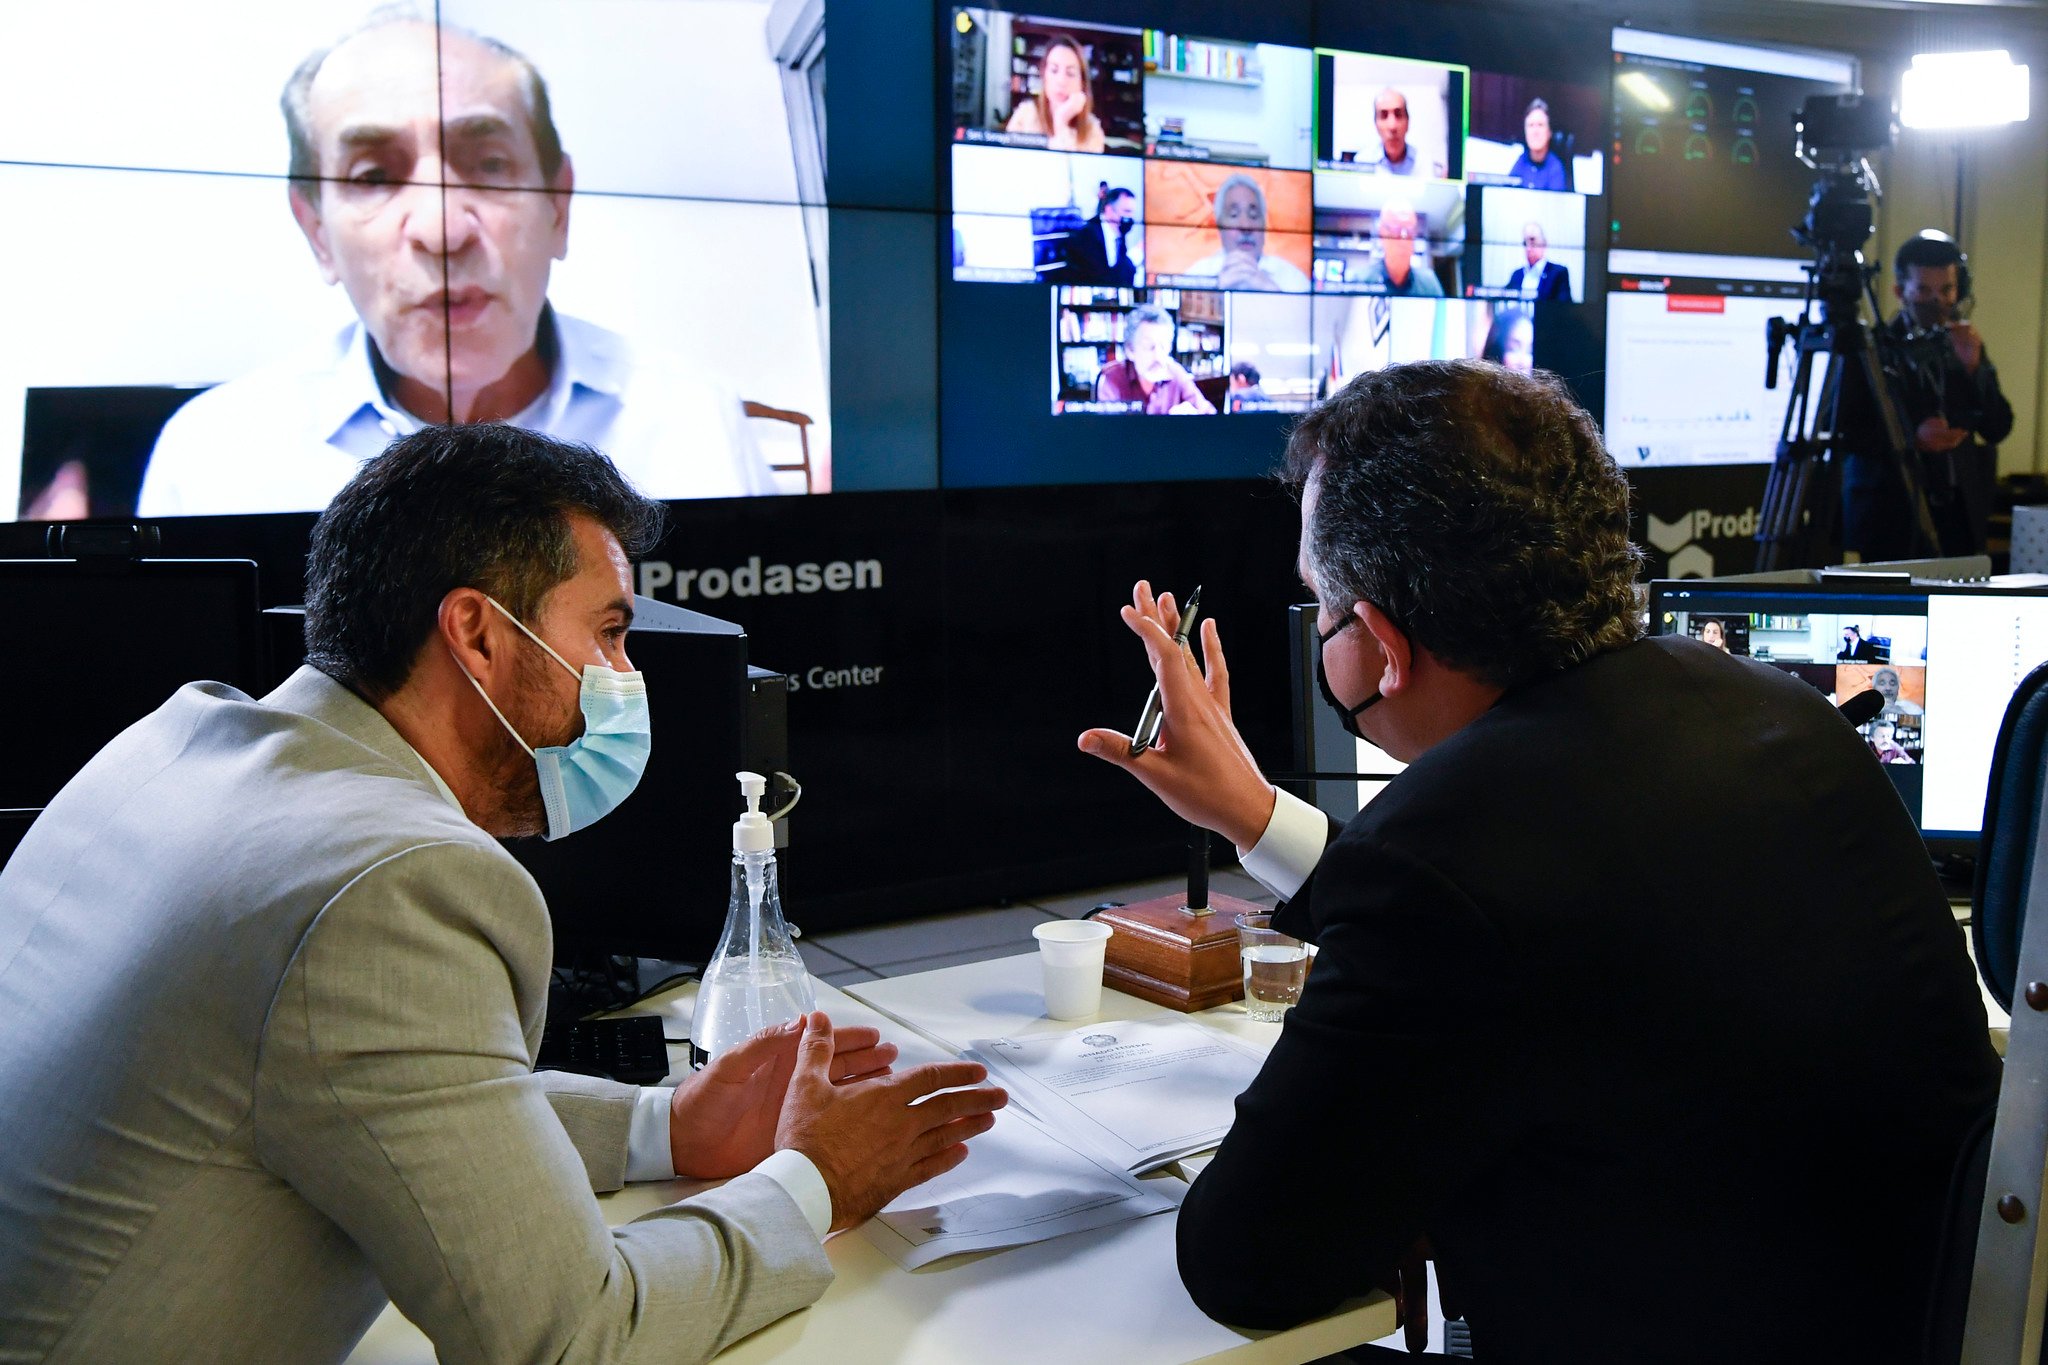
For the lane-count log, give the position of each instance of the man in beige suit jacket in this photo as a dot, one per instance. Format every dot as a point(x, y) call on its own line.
point(270, 990)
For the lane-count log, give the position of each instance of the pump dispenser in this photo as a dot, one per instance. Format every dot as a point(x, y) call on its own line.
point(755, 979)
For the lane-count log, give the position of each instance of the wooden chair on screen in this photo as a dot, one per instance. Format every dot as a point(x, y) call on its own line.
point(802, 423)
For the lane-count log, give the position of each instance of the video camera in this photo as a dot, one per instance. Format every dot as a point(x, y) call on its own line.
point(1835, 134)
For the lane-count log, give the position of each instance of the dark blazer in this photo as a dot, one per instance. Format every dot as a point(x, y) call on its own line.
point(1638, 997)
point(1556, 281)
point(1089, 261)
point(1866, 651)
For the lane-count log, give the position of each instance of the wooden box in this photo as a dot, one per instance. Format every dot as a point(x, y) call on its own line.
point(1163, 952)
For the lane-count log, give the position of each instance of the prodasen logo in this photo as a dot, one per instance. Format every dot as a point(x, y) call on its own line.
point(1677, 539)
point(659, 578)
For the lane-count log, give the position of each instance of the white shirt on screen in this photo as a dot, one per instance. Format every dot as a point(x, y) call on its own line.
point(1281, 271)
point(286, 437)
point(649, 1155)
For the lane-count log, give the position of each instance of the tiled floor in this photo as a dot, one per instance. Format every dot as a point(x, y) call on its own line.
point(916, 945)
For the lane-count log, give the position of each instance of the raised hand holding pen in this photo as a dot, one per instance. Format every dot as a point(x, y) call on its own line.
point(1147, 733)
point(1199, 765)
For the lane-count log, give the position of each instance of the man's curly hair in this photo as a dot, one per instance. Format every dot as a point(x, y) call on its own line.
point(1478, 509)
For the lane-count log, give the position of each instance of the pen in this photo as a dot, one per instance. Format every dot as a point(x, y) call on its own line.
point(1149, 721)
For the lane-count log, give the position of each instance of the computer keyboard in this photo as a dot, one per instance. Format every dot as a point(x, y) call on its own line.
point(629, 1049)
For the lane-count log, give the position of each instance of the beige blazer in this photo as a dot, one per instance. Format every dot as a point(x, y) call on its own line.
point(268, 1006)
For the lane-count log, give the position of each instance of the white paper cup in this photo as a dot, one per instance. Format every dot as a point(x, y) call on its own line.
point(1072, 951)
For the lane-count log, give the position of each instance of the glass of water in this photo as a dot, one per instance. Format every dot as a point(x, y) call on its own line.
point(1275, 966)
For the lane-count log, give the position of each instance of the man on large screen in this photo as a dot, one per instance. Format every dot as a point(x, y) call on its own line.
point(431, 184)
point(1540, 278)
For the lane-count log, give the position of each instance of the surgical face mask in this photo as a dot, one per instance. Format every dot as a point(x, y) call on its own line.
point(1347, 716)
point(584, 780)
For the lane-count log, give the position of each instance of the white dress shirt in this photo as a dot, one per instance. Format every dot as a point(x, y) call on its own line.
point(1284, 273)
point(648, 1153)
point(286, 437)
point(1290, 848)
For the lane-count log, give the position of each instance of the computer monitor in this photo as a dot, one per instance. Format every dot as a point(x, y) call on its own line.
point(1356, 770)
point(1946, 658)
point(100, 643)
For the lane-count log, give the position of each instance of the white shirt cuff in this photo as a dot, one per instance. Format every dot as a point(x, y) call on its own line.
point(648, 1154)
point(1290, 848)
point(793, 1171)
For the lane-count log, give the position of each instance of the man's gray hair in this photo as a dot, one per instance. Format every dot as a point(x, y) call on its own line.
point(1477, 508)
point(298, 91)
point(1223, 192)
point(1145, 314)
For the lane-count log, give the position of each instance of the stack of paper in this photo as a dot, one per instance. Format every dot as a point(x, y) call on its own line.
point(1019, 1184)
point(1143, 1093)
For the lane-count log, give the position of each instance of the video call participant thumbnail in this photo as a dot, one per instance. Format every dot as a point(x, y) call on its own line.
point(1269, 354)
point(1398, 268)
point(1069, 87)
point(1147, 376)
point(431, 184)
point(1537, 167)
point(1531, 132)
point(1390, 119)
point(1245, 223)
point(1062, 109)
point(1224, 101)
point(1539, 278)
point(1244, 386)
point(1100, 250)
point(1511, 342)
point(1391, 116)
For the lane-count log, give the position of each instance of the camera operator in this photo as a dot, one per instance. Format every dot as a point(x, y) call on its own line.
point(1955, 415)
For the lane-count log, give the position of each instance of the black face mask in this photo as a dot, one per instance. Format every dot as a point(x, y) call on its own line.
point(1347, 716)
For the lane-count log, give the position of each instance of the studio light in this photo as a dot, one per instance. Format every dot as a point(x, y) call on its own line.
point(1963, 90)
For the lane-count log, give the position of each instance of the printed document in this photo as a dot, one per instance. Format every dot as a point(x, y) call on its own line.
point(1142, 1092)
point(1019, 1184)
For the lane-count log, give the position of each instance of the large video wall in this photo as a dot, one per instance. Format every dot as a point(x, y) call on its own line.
point(250, 243)
point(247, 243)
point(1239, 227)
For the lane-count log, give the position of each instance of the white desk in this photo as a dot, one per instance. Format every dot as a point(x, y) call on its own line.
point(1112, 1295)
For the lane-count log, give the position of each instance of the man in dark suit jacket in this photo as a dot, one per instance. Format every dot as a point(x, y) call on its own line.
point(1856, 648)
point(1098, 252)
point(1552, 281)
point(1638, 1115)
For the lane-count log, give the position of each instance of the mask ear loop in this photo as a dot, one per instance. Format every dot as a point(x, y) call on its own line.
point(494, 708)
point(574, 671)
point(794, 786)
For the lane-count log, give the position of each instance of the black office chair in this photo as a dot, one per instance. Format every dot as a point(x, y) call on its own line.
point(1992, 1275)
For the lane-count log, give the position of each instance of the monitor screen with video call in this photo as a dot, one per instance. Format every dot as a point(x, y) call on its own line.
point(1944, 660)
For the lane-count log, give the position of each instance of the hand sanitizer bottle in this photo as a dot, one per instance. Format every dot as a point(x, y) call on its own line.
point(755, 979)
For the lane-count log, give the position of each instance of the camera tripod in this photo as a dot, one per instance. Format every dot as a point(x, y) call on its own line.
point(1857, 407)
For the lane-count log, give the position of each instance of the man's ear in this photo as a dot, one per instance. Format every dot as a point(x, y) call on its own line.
point(1394, 646)
point(305, 195)
point(1898, 290)
point(468, 627)
point(560, 190)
